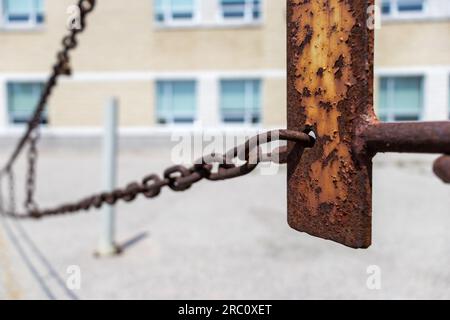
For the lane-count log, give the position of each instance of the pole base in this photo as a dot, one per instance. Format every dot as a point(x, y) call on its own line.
point(107, 251)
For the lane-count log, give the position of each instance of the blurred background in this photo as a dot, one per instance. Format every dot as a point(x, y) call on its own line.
point(210, 66)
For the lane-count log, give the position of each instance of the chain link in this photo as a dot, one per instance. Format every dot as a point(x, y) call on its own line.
point(30, 204)
point(31, 135)
point(180, 178)
point(212, 167)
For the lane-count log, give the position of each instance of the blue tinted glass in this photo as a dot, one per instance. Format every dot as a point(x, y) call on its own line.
point(40, 18)
point(400, 98)
point(386, 8)
point(22, 100)
point(176, 101)
point(240, 100)
point(182, 9)
point(174, 9)
point(240, 9)
point(410, 5)
point(21, 11)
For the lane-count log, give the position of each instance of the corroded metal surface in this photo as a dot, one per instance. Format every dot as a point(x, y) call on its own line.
point(330, 61)
point(417, 137)
point(441, 168)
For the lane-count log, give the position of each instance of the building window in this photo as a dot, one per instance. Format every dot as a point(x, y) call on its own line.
point(386, 7)
point(23, 12)
point(240, 10)
point(400, 99)
point(394, 8)
point(175, 11)
point(176, 101)
point(240, 101)
point(410, 5)
point(23, 98)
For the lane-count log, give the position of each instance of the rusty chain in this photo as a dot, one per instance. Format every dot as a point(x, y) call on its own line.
point(180, 178)
point(30, 204)
point(31, 134)
point(212, 167)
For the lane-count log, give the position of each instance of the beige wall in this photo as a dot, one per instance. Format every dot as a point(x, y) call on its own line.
point(274, 102)
point(121, 36)
point(34, 50)
point(413, 43)
point(77, 103)
point(81, 103)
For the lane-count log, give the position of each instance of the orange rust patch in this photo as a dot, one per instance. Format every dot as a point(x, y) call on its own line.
point(327, 54)
point(329, 77)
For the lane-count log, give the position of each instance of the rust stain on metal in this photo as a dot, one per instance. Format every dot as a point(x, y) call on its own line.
point(417, 137)
point(330, 61)
point(441, 168)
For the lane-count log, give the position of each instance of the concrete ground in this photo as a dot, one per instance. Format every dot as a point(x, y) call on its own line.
point(223, 240)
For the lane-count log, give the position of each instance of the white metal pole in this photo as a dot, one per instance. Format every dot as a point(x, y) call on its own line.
point(107, 245)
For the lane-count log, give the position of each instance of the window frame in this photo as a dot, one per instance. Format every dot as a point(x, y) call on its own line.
point(170, 121)
point(248, 15)
point(248, 92)
point(31, 23)
point(390, 113)
point(9, 116)
point(395, 14)
point(169, 22)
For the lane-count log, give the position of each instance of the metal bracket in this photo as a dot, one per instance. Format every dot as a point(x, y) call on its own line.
point(330, 92)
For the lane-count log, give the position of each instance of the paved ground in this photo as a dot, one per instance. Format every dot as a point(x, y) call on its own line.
point(226, 240)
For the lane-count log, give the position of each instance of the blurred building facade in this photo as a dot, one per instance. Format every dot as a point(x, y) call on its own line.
point(218, 63)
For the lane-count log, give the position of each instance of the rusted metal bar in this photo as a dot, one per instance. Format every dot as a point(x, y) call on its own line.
point(330, 80)
point(441, 168)
point(413, 137)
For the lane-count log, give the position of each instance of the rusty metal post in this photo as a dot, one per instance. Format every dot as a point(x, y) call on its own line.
point(330, 89)
point(330, 74)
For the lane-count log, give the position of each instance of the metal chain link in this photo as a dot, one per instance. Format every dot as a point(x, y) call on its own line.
point(177, 178)
point(180, 178)
point(31, 135)
point(30, 203)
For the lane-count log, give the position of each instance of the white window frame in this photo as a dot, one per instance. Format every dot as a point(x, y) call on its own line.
point(390, 87)
point(248, 15)
point(395, 14)
point(30, 24)
point(169, 22)
point(7, 116)
point(169, 89)
point(248, 102)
